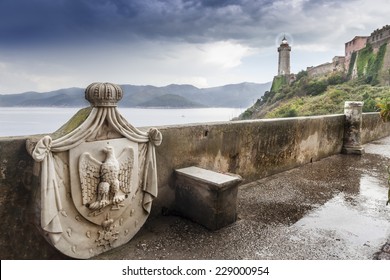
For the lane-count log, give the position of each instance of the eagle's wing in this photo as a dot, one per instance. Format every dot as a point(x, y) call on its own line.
point(89, 171)
point(126, 164)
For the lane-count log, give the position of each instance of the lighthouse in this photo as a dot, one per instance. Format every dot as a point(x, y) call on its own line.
point(284, 58)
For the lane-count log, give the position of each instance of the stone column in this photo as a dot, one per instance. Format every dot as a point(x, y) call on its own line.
point(353, 128)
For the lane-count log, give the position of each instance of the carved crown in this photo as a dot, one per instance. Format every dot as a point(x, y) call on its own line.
point(103, 94)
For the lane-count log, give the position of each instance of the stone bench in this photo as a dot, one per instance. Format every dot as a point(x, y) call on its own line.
point(206, 197)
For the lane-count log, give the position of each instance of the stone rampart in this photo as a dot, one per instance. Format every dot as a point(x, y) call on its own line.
point(320, 70)
point(379, 36)
point(337, 65)
point(253, 149)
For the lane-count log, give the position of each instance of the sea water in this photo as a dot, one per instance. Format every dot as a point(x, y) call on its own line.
point(17, 121)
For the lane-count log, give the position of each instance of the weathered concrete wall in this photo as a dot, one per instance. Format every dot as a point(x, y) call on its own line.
point(19, 238)
point(373, 127)
point(252, 149)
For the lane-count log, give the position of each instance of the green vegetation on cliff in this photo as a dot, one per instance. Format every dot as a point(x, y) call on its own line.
point(326, 95)
point(369, 64)
point(351, 65)
point(278, 83)
point(331, 101)
point(309, 97)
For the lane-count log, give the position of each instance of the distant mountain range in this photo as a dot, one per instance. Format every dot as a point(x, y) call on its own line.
point(172, 96)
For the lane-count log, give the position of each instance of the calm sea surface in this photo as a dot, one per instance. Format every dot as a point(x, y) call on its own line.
point(28, 121)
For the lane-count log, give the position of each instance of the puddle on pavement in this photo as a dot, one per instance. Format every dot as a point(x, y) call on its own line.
point(378, 150)
point(380, 147)
point(358, 219)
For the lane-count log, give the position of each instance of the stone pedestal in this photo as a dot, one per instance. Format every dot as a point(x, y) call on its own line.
point(206, 197)
point(353, 127)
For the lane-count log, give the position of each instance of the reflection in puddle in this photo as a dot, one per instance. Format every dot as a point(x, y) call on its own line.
point(378, 149)
point(356, 219)
point(371, 189)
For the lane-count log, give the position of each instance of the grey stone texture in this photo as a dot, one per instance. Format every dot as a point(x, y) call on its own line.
point(206, 197)
point(353, 128)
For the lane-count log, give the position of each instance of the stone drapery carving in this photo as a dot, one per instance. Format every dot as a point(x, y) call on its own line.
point(97, 181)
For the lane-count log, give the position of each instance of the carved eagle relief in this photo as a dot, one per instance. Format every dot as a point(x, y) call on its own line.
point(108, 182)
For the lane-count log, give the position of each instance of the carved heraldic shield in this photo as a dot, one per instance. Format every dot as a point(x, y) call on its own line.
point(97, 177)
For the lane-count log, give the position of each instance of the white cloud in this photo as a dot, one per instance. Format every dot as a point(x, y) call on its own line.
point(16, 78)
point(224, 54)
point(312, 47)
point(200, 82)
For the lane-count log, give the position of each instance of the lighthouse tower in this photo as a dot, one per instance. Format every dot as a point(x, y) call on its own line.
point(284, 58)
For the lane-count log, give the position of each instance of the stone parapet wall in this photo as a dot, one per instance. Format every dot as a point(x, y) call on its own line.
point(253, 149)
point(373, 127)
point(19, 238)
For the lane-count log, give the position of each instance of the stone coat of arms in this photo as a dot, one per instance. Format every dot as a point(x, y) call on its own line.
point(97, 176)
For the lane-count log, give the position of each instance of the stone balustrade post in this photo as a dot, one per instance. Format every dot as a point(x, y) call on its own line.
point(352, 142)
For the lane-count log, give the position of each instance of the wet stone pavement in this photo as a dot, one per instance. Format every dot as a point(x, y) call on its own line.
point(331, 209)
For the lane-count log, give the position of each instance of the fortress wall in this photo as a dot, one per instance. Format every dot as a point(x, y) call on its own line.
point(379, 36)
point(337, 65)
point(384, 75)
point(356, 44)
point(320, 70)
point(253, 149)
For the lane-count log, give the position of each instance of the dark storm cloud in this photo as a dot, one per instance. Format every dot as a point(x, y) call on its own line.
point(28, 22)
point(255, 23)
point(35, 21)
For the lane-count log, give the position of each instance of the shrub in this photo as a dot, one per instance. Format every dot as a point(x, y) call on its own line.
point(316, 87)
point(336, 79)
point(384, 107)
point(291, 113)
point(300, 75)
point(369, 105)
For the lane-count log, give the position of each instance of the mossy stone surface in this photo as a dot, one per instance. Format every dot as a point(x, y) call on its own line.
point(73, 123)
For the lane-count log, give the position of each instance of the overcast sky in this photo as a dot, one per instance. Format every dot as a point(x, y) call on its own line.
point(52, 44)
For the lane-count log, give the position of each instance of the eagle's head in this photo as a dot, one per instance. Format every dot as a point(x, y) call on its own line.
point(108, 150)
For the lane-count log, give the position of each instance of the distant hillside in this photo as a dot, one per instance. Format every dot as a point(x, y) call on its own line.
point(170, 101)
point(70, 97)
point(234, 96)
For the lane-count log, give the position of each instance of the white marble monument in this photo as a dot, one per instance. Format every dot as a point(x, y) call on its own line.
point(97, 177)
